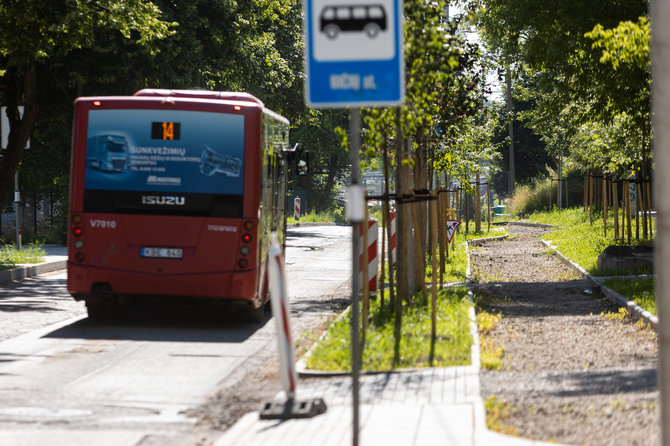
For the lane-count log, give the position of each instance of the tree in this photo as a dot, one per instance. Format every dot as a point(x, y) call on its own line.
point(589, 66)
point(315, 129)
point(35, 32)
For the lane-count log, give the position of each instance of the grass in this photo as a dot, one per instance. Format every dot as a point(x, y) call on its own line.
point(579, 240)
point(10, 256)
point(452, 346)
point(321, 217)
point(491, 353)
point(640, 291)
point(453, 343)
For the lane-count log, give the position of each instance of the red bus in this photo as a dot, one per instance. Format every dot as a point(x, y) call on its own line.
point(173, 196)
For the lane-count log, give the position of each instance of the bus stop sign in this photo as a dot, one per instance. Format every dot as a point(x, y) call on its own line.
point(354, 53)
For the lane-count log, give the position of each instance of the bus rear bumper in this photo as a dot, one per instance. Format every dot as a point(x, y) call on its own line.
point(85, 283)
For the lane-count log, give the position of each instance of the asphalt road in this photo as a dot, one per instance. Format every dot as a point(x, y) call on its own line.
point(67, 380)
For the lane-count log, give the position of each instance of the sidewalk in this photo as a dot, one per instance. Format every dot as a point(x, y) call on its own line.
point(424, 407)
point(435, 406)
point(56, 259)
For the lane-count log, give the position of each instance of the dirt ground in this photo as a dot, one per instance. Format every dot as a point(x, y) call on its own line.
point(569, 373)
point(257, 381)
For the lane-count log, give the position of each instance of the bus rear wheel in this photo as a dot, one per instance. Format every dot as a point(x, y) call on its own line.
point(104, 310)
point(256, 315)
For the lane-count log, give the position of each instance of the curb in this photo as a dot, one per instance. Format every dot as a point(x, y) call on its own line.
point(533, 225)
point(299, 225)
point(611, 295)
point(23, 271)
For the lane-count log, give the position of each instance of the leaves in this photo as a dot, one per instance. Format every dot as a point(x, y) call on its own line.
point(584, 66)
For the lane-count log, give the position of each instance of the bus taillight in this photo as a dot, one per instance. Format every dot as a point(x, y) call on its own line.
point(247, 239)
point(78, 244)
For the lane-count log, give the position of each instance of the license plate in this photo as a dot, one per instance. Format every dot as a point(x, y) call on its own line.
point(163, 253)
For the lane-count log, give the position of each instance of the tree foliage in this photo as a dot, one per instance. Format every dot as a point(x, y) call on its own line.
point(52, 53)
point(35, 33)
point(585, 68)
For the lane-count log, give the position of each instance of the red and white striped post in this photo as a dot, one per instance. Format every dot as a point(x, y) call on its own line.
point(296, 208)
point(281, 313)
point(373, 229)
point(291, 408)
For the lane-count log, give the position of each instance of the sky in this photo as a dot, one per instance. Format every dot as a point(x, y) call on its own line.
point(492, 78)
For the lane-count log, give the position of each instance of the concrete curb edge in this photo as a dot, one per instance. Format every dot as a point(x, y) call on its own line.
point(612, 295)
point(23, 271)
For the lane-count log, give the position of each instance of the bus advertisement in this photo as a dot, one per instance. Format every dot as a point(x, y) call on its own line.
point(173, 196)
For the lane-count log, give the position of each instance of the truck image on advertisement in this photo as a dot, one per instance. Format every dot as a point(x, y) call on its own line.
point(108, 153)
point(212, 162)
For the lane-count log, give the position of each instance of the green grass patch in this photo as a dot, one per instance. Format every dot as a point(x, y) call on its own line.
point(10, 256)
point(452, 345)
point(580, 240)
point(640, 291)
point(491, 351)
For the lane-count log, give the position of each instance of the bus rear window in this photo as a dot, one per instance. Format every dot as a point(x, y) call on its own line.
point(164, 161)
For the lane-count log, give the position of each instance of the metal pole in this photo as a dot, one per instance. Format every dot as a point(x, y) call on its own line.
point(660, 72)
point(355, 135)
point(17, 203)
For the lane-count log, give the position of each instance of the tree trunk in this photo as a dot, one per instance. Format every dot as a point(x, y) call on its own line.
point(387, 216)
point(420, 209)
point(330, 181)
point(402, 238)
point(18, 84)
point(510, 109)
point(615, 204)
point(478, 204)
point(433, 255)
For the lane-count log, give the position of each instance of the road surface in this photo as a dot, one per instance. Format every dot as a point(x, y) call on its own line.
point(148, 380)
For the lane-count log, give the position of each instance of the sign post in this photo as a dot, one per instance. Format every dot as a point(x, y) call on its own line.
point(354, 58)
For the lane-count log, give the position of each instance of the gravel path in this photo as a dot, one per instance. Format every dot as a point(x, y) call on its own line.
point(570, 374)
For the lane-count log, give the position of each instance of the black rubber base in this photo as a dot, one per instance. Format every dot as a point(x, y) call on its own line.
point(284, 410)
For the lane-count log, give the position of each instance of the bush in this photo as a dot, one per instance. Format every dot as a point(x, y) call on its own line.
point(537, 198)
point(527, 200)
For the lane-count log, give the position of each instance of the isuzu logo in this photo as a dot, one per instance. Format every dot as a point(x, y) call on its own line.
point(168, 200)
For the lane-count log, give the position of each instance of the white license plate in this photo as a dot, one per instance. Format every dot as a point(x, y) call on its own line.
point(163, 253)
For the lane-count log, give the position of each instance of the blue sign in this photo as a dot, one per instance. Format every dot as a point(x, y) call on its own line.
point(354, 53)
